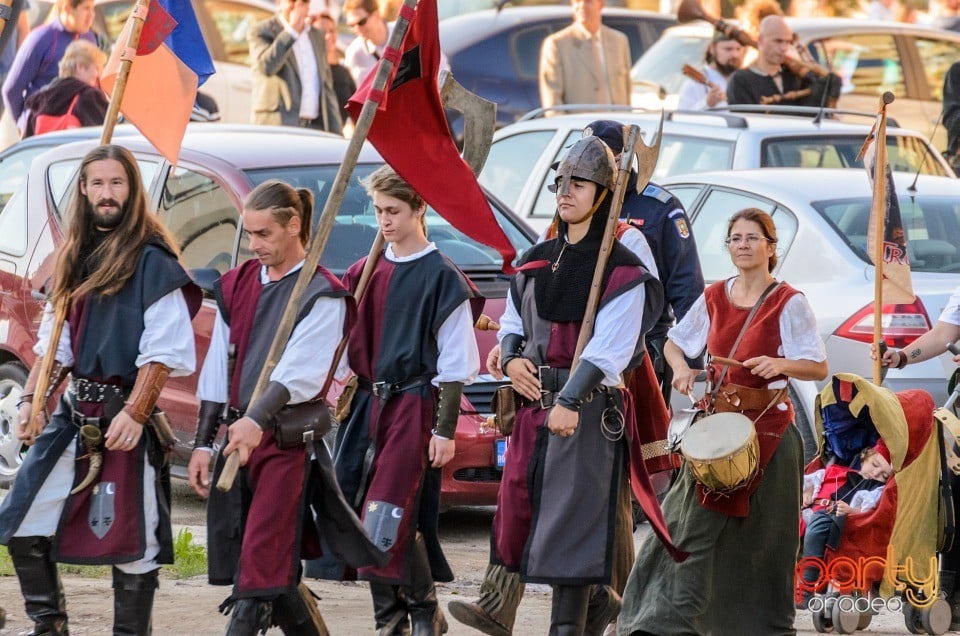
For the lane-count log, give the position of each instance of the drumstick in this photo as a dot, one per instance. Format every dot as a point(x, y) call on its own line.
point(728, 361)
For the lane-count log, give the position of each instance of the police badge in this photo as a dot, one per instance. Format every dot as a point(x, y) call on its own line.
point(682, 229)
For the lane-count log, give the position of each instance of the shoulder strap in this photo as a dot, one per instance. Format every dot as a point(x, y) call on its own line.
point(73, 103)
point(743, 330)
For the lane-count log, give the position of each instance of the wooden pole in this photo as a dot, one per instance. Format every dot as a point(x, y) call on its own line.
point(879, 230)
point(138, 15)
point(632, 134)
point(319, 239)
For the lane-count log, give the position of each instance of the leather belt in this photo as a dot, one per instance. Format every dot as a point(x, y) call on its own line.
point(738, 398)
point(386, 390)
point(84, 390)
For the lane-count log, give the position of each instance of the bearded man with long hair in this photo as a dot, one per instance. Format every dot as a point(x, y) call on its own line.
point(127, 330)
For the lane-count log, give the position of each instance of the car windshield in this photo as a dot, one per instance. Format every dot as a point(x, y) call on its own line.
point(932, 226)
point(662, 62)
point(682, 154)
point(356, 225)
point(906, 154)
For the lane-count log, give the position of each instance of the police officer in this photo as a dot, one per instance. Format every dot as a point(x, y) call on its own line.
point(664, 223)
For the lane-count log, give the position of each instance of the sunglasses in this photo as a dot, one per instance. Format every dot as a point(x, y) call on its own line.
point(359, 23)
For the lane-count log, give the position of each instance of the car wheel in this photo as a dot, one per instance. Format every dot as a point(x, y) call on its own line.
point(12, 379)
point(809, 436)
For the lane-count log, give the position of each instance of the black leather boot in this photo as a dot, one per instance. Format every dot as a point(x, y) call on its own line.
point(296, 613)
point(40, 584)
point(133, 602)
point(602, 609)
point(3, 617)
point(248, 616)
point(426, 617)
point(389, 610)
point(568, 617)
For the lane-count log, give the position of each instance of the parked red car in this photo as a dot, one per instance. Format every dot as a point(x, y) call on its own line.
point(200, 202)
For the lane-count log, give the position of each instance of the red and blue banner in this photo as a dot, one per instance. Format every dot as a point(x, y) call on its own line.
point(171, 61)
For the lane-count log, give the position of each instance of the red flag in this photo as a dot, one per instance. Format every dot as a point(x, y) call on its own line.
point(410, 132)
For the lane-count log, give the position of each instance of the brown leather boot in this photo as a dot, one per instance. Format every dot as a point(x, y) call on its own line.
point(496, 610)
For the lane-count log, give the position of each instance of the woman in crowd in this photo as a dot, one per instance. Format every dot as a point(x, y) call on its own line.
point(563, 472)
point(38, 59)
point(743, 545)
point(74, 99)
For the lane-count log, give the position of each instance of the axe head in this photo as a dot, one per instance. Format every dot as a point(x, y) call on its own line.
point(647, 156)
point(479, 119)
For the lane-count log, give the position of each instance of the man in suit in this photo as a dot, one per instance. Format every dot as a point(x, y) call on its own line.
point(292, 83)
point(585, 63)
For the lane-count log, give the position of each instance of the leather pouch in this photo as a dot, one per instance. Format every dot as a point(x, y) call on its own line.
point(300, 424)
point(504, 405)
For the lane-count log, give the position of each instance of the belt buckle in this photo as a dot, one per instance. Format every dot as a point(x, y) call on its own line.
point(382, 390)
point(546, 397)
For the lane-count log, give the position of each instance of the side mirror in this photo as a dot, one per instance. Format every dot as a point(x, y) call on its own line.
point(205, 278)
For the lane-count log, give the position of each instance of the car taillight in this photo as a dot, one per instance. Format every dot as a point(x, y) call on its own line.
point(900, 324)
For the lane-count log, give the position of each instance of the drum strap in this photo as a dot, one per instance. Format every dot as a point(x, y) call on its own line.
point(743, 330)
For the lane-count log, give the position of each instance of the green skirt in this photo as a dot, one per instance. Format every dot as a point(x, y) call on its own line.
point(738, 578)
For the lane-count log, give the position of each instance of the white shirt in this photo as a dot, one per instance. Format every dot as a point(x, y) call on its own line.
point(951, 313)
point(362, 56)
point(459, 357)
point(693, 95)
point(167, 336)
point(309, 74)
point(302, 367)
point(863, 500)
point(799, 337)
point(617, 322)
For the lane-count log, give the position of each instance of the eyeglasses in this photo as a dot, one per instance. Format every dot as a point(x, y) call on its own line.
point(359, 23)
point(750, 239)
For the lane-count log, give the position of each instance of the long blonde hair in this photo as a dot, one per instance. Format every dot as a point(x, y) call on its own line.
point(120, 252)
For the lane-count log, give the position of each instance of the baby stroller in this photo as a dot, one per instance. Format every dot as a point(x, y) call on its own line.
point(886, 557)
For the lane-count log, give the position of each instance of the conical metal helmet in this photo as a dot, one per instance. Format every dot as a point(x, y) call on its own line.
point(588, 159)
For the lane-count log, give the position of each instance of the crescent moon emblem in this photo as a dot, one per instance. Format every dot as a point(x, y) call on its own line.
point(396, 513)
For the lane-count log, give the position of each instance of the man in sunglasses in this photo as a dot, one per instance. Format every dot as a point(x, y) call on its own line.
point(372, 31)
point(292, 83)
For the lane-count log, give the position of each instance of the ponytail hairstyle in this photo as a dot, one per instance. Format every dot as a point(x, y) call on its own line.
point(284, 202)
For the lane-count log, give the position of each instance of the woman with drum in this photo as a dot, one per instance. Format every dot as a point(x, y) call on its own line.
point(741, 529)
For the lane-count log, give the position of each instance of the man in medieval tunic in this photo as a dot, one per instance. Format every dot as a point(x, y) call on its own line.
point(560, 485)
point(412, 350)
point(127, 330)
point(259, 532)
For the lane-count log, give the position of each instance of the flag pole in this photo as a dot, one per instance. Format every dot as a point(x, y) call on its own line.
point(879, 232)
point(319, 238)
point(35, 426)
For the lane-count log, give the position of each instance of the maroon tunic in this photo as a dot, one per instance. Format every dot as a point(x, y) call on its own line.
point(275, 525)
point(395, 341)
point(762, 338)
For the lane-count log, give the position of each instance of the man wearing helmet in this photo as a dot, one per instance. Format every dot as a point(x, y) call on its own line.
point(568, 506)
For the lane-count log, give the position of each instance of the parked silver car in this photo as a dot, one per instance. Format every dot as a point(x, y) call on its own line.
point(519, 167)
point(821, 218)
point(871, 57)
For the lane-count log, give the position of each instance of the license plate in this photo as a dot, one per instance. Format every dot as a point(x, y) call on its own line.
point(501, 446)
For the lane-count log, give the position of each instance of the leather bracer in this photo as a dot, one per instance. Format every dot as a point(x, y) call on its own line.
point(584, 380)
point(264, 410)
point(146, 391)
point(208, 423)
point(510, 347)
point(448, 409)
